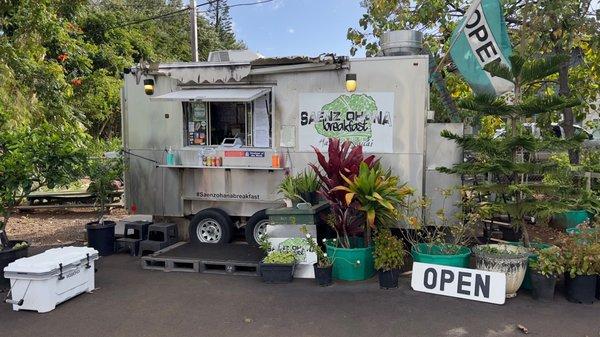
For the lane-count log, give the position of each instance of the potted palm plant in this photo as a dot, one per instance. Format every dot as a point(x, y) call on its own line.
point(307, 185)
point(375, 193)
point(352, 255)
point(545, 269)
point(389, 258)
point(324, 266)
point(289, 190)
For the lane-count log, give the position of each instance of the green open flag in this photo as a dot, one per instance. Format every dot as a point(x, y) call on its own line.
point(481, 38)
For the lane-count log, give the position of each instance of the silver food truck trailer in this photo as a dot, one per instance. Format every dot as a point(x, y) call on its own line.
point(207, 143)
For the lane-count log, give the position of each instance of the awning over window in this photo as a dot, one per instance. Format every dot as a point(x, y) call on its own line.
point(214, 95)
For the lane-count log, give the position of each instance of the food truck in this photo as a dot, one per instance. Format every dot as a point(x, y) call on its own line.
point(207, 143)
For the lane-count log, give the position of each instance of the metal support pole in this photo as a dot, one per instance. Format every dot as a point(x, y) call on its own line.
point(193, 31)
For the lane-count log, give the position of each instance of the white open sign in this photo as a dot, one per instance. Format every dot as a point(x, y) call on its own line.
point(471, 284)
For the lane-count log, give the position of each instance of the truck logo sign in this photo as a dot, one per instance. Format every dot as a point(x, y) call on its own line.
point(365, 118)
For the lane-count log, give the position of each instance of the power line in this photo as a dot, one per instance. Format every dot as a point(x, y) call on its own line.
point(162, 16)
point(181, 11)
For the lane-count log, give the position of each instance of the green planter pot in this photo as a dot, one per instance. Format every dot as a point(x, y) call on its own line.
point(434, 256)
point(351, 264)
point(570, 218)
point(533, 257)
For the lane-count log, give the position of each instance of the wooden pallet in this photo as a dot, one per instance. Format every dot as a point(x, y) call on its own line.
point(197, 264)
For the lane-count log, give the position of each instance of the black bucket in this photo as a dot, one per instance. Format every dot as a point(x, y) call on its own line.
point(598, 287)
point(323, 275)
point(581, 288)
point(101, 237)
point(8, 256)
point(389, 279)
point(542, 287)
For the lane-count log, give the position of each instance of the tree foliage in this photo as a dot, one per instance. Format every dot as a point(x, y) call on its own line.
point(67, 56)
point(536, 28)
point(501, 175)
point(61, 63)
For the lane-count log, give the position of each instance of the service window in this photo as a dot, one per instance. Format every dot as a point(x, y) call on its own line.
point(209, 123)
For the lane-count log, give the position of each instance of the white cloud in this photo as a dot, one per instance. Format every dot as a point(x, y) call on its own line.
point(291, 30)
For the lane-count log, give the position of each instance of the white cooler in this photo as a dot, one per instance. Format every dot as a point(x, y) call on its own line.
point(42, 281)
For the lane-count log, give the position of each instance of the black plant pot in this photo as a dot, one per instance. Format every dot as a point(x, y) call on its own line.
point(598, 287)
point(581, 288)
point(277, 273)
point(310, 197)
point(388, 279)
point(510, 234)
point(6, 257)
point(323, 275)
point(101, 236)
point(542, 287)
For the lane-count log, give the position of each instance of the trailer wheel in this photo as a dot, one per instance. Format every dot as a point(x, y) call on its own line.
point(211, 226)
point(256, 227)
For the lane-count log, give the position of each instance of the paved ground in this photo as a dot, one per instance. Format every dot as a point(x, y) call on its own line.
point(134, 302)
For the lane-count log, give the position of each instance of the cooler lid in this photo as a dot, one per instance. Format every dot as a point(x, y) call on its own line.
point(49, 260)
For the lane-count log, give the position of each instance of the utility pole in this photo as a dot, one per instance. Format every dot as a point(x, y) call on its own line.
point(193, 31)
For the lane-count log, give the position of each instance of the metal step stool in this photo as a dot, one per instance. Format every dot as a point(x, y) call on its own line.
point(135, 232)
point(160, 235)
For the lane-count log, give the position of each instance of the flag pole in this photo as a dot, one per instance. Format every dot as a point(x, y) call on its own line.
point(468, 15)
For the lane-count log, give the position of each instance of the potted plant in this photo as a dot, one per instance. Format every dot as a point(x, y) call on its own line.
point(389, 258)
point(277, 266)
point(307, 185)
point(583, 206)
point(352, 255)
point(582, 266)
point(435, 238)
point(323, 267)
point(289, 190)
point(375, 193)
point(544, 271)
point(44, 156)
point(504, 258)
point(103, 174)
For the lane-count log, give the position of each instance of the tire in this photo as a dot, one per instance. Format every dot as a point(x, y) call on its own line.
point(211, 225)
point(255, 227)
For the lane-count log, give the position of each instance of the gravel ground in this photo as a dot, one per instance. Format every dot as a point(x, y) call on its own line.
point(50, 227)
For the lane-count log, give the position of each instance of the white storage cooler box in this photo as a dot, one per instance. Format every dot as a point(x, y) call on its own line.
point(47, 279)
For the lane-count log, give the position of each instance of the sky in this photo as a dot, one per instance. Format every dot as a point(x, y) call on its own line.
point(296, 27)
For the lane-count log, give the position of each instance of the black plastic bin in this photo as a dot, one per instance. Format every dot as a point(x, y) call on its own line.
point(277, 273)
point(7, 257)
point(101, 237)
point(581, 288)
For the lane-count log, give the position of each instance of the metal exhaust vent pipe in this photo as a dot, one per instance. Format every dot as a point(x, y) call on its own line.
point(401, 42)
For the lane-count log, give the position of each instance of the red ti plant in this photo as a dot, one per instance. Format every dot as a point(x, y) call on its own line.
point(342, 159)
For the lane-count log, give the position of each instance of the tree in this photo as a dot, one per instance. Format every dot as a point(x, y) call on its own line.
point(35, 157)
point(218, 13)
point(501, 175)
